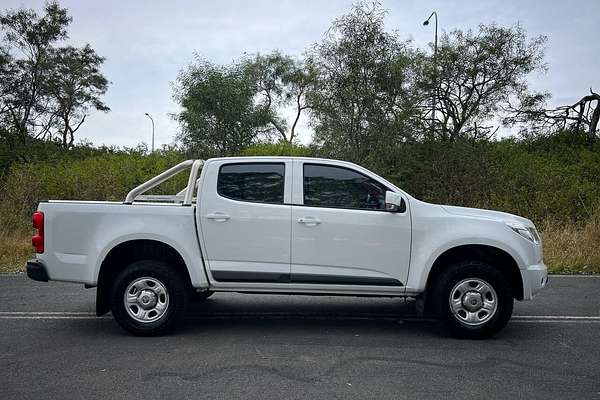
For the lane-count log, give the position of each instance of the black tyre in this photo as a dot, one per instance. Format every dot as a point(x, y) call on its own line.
point(473, 299)
point(148, 298)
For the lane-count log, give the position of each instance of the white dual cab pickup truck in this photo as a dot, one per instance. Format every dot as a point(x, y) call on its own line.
point(287, 225)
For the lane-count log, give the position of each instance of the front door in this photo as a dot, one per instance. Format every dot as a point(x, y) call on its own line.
point(244, 221)
point(341, 233)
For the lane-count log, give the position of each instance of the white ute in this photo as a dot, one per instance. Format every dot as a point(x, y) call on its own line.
point(287, 225)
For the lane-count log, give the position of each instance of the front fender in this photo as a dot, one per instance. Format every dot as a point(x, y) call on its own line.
point(436, 231)
point(418, 277)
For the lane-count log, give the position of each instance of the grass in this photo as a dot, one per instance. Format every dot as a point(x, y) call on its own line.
point(15, 250)
point(568, 248)
point(573, 249)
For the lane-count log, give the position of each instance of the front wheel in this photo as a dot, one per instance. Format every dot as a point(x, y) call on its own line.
point(473, 299)
point(148, 298)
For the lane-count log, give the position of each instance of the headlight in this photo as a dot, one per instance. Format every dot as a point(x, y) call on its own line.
point(528, 232)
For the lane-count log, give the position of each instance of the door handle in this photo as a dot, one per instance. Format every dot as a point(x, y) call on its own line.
point(218, 216)
point(309, 221)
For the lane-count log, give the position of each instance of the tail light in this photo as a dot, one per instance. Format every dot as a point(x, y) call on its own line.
point(37, 240)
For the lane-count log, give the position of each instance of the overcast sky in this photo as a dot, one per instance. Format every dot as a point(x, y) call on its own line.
point(146, 43)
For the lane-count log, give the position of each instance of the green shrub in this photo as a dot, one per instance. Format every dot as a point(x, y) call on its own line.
point(100, 177)
point(279, 149)
point(559, 185)
point(554, 181)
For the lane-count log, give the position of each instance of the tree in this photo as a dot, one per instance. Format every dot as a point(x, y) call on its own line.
point(476, 75)
point(220, 116)
point(362, 100)
point(5, 74)
point(32, 36)
point(74, 86)
point(227, 108)
point(6, 65)
point(45, 90)
point(535, 118)
point(281, 81)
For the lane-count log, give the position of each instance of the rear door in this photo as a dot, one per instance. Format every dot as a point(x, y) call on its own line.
point(341, 233)
point(244, 220)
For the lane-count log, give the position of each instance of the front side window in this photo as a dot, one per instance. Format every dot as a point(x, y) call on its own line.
point(254, 182)
point(329, 186)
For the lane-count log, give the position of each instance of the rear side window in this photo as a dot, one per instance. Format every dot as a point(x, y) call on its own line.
point(254, 182)
point(329, 186)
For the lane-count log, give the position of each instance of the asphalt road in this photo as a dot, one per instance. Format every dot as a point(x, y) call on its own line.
point(296, 347)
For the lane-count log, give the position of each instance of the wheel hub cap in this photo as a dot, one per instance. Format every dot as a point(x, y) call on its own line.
point(146, 299)
point(473, 301)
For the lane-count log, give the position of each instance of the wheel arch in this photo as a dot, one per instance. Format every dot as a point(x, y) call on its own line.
point(127, 252)
point(494, 256)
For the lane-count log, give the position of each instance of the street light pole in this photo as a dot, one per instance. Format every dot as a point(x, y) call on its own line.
point(148, 115)
point(435, 46)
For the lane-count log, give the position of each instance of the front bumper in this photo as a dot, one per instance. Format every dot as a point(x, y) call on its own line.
point(36, 270)
point(535, 278)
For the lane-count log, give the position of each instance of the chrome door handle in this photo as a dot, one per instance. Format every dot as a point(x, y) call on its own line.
point(309, 221)
point(218, 216)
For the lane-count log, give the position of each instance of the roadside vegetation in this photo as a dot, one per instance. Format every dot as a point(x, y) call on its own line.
point(369, 97)
point(556, 185)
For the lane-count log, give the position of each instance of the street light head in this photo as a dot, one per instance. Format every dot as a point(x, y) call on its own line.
point(146, 114)
point(426, 22)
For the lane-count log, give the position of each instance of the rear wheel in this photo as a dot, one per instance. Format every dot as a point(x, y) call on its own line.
point(148, 298)
point(473, 299)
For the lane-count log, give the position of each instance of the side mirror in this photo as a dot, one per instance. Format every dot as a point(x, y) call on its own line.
point(394, 202)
